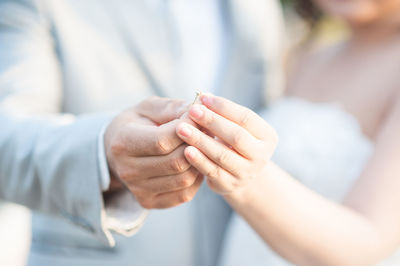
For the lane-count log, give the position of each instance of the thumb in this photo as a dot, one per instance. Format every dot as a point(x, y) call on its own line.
point(162, 110)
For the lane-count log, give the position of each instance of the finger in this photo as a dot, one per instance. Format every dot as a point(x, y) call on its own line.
point(162, 165)
point(144, 140)
point(162, 110)
point(213, 149)
point(164, 184)
point(221, 180)
point(185, 118)
point(238, 114)
point(172, 199)
point(236, 136)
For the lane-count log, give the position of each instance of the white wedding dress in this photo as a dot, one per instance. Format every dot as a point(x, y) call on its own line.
point(320, 145)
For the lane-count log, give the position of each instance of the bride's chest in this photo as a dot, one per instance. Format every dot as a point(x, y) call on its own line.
point(363, 86)
point(320, 144)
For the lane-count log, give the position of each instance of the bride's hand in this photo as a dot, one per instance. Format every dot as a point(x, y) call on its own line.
point(243, 149)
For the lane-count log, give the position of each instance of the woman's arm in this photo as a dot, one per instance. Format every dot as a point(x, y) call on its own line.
point(299, 224)
point(304, 227)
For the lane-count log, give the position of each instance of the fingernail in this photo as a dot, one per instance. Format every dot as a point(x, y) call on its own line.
point(196, 111)
point(206, 99)
point(185, 131)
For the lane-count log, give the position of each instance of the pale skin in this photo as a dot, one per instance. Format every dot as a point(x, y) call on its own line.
point(299, 224)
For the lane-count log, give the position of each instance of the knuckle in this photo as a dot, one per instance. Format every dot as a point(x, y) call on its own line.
point(179, 104)
point(129, 174)
point(169, 103)
point(147, 102)
point(174, 107)
point(117, 146)
point(174, 104)
point(208, 118)
point(214, 172)
point(234, 185)
point(237, 171)
point(144, 200)
point(146, 204)
point(162, 144)
point(125, 174)
point(196, 139)
point(223, 157)
point(216, 186)
point(139, 194)
point(179, 164)
point(237, 138)
point(221, 103)
point(240, 173)
point(187, 180)
point(151, 99)
point(210, 182)
point(184, 196)
point(240, 178)
point(245, 118)
point(229, 188)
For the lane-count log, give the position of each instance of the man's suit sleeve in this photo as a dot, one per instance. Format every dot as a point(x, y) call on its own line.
point(48, 161)
point(52, 168)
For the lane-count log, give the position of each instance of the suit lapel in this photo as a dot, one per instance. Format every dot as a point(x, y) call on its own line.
point(232, 49)
point(255, 42)
point(146, 39)
point(147, 42)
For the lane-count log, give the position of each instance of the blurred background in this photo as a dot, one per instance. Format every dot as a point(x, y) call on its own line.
point(15, 220)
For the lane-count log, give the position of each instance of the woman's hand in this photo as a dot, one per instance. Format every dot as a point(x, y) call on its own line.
point(241, 150)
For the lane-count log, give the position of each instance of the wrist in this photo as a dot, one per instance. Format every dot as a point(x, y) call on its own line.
point(247, 194)
point(242, 195)
point(115, 184)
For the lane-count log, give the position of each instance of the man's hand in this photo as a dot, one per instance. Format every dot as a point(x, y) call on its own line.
point(145, 154)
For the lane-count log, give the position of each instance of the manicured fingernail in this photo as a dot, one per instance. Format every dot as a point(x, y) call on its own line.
point(185, 131)
point(206, 99)
point(190, 153)
point(196, 111)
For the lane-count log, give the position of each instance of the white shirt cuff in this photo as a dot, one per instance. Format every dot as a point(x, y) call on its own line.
point(122, 214)
point(104, 171)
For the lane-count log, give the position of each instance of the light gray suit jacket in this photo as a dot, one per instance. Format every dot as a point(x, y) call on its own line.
point(63, 65)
